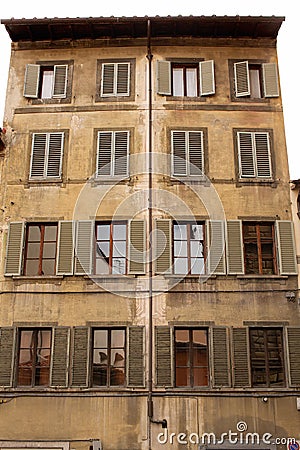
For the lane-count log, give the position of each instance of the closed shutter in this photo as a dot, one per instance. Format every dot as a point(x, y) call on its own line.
point(121, 151)
point(270, 79)
point(107, 79)
point(241, 79)
point(234, 248)
point(263, 156)
point(80, 358)
point(137, 246)
point(293, 340)
point(60, 81)
point(240, 357)
point(164, 78)
point(195, 153)
point(163, 253)
point(220, 357)
point(55, 152)
point(84, 247)
point(104, 153)
point(38, 155)
point(286, 247)
point(163, 354)
point(31, 83)
point(136, 356)
point(46, 155)
point(246, 155)
point(216, 247)
point(14, 249)
point(60, 357)
point(179, 153)
point(207, 77)
point(7, 345)
point(65, 246)
point(123, 79)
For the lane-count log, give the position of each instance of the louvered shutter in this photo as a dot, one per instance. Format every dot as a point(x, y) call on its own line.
point(207, 77)
point(60, 357)
point(121, 151)
point(163, 253)
point(104, 153)
point(80, 358)
point(38, 155)
point(65, 248)
point(7, 345)
point(270, 79)
point(241, 79)
point(107, 79)
point(83, 247)
point(220, 357)
point(234, 248)
point(246, 155)
point(286, 247)
point(240, 357)
point(55, 153)
point(263, 156)
point(60, 81)
point(123, 79)
point(164, 78)
point(136, 247)
point(293, 340)
point(136, 356)
point(14, 249)
point(179, 153)
point(31, 83)
point(163, 356)
point(216, 247)
point(195, 152)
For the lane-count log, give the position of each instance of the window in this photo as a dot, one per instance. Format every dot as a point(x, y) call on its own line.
point(40, 249)
point(33, 368)
point(187, 153)
point(259, 248)
point(254, 154)
point(189, 248)
point(191, 357)
point(185, 80)
point(112, 153)
point(46, 81)
point(46, 156)
point(108, 357)
point(267, 362)
point(255, 80)
point(111, 248)
point(115, 79)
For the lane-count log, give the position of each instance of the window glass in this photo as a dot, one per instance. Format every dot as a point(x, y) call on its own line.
point(47, 83)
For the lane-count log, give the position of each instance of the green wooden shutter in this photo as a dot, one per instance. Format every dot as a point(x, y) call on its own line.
point(263, 155)
point(270, 79)
point(246, 155)
point(60, 356)
point(135, 363)
point(241, 79)
point(14, 249)
point(163, 354)
point(104, 153)
point(179, 153)
point(287, 261)
point(60, 81)
point(123, 79)
point(121, 152)
point(216, 247)
point(164, 78)
point(65, 248)
point(293, 340)
point(80, 358)
point(84, 247)
point(107, 79)
point(163, 251)
point(234, 248)
point(7, 345)
point(38, 155)
point(220, 357)
point(207, 77)
point(240, 357)
point(136, 247)
point(55, 153)
point(31, 82)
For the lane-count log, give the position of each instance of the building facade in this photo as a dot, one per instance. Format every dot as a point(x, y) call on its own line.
point(148, 264)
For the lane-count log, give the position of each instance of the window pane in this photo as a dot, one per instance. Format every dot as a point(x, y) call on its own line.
point(48, 267)
point(100, 338)
point(182, 356)
point(117, 376)
point(103, 249)
point(200, 337)
point(182, 376)
point(118, 265)
point(50, 233)
point(118, 358)
point(103, 232)
point(25, 358)
point(197, 266)
point(254, 76)
point(102, 267)
point(44, 339)
point(181, 266)
point(42, 376)
point(47, 83)
point(24, 376)
point(49, 250)
point(191, 82)
point(119, 232)
point(196, 232)
point(182, 336)
point(178, 85)
point(119, 249)
point(251, 258)
point(196, 248)
point(180, 248)
point(180, 232)
point(117, 338)
point(200, 376)
point(32, 267)
point(34, 233)
point(26, 339)
point(33, 250)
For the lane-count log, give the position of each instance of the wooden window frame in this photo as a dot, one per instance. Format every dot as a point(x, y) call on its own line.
point(189, 257)
point(111, 244)
point(259, 242)
point(185, 66)
point(42, 242)
point(116, 98)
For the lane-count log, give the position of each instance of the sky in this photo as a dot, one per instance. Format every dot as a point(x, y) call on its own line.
point(287, 42)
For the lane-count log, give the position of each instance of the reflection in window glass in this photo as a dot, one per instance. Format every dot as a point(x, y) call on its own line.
point(188, 248)
point(111, 248)
point(40, 249)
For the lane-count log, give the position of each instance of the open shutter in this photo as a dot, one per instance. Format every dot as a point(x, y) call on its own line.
point(31, 82)
point(240, 357)
point(293, 340)
point(216, 247)
point(163, 252)
point(55, 152)
point(195, 152)
point(270, 79)
point(164, 78)
point(263, 155)
point(234, 248)
point(220, 357)
point(286, 247)
point(207, 77)
point(241, 79)
point(80, 359)
point(246, 155)
point(179, 153)
point(60, 356)
point(83, 247)
point(136, 247)
point(123, 79)
point(136, 356)
point(60, 81)
point(104, 153)
point(121, 151)
point(163, 354)
point(107, 79)
point(38, 155)
point(7, 345)
point(14, 249)
point(65, 248)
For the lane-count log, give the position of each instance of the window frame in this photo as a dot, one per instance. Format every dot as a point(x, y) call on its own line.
point(259, 244)
point(188, 240)
point(112, 160)
point(111, 247)
point(46, 178)
point(130, 96)
point(203, 171)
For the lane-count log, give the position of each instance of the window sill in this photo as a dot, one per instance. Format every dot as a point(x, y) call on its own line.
point(262, 277)
point(256, 182)
point(110, 179)
point(36, 278)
